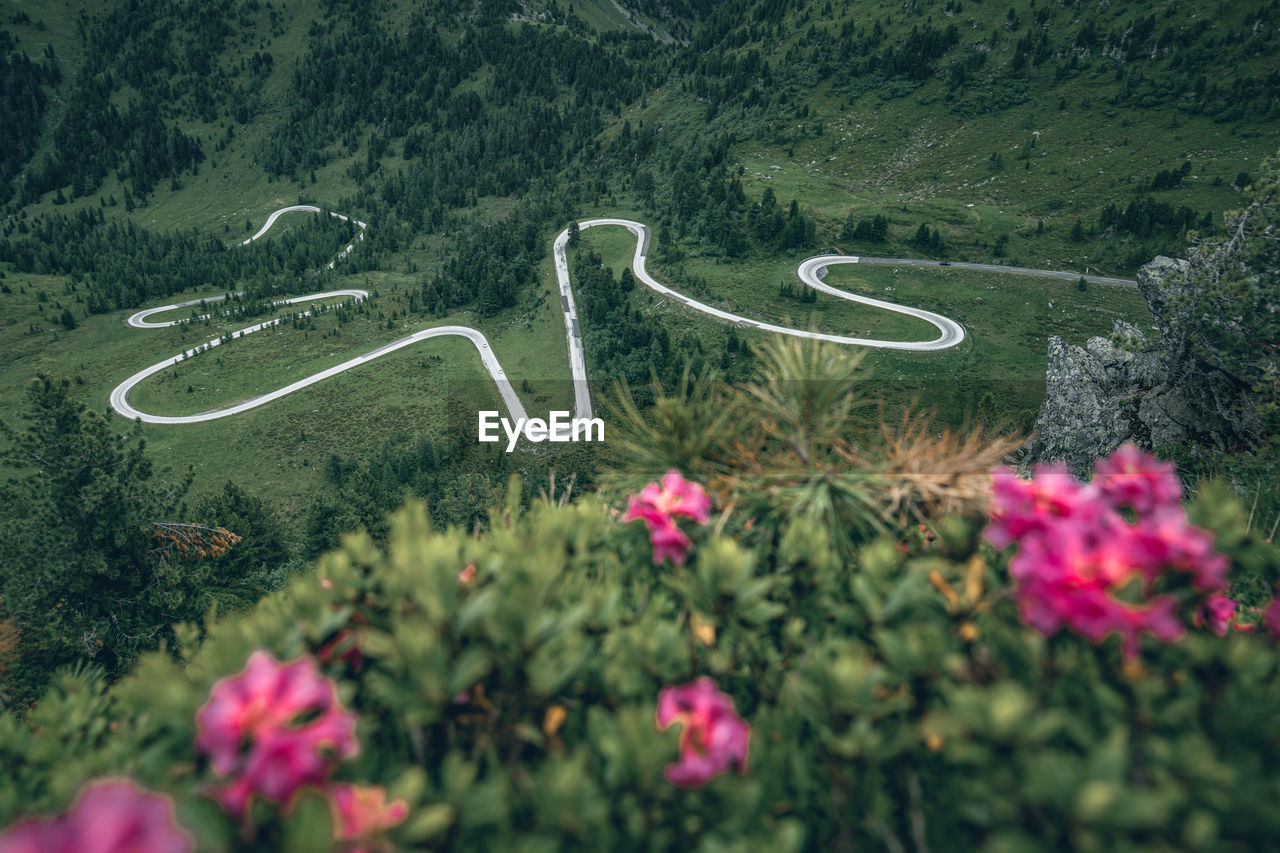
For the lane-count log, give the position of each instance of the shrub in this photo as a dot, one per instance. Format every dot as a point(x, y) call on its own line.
point(507, 688)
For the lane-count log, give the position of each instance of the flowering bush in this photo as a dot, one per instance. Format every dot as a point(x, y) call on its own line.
point(508, 686)
point(1081, 564)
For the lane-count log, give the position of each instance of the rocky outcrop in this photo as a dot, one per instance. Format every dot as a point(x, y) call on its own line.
point(1093, 396)
point(1126, 388)
point(1160, 283)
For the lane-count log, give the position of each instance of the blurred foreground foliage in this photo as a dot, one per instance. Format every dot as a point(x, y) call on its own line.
point(505, 683)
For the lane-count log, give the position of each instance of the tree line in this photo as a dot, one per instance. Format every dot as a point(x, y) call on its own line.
point(121, 265)
point(23, 102)
point(1207, 65)
point(171, 63)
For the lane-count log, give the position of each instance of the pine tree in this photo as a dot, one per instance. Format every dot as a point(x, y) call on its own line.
point(86, 570)
point(850, 229)
point(921, 240)
point(880, 228)
point(1227, 330)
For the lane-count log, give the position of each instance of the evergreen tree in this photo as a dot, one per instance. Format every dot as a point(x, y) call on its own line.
point(1228, 330)
point(922, 237)
point(849, 230)
point(87, 567)
point(258, 563)
point(880, 228)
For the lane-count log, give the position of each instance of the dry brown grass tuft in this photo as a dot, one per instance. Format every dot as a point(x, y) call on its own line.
point(928, 473)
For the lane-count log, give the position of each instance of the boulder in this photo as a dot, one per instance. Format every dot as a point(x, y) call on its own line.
point(1122, 388)
point(1161, 282)
point(1090, 401)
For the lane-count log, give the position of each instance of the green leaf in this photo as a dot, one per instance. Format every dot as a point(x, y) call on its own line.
point(429, 822)
point(308, 826)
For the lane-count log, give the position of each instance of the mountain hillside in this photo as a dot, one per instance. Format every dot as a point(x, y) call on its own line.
point(150, 138)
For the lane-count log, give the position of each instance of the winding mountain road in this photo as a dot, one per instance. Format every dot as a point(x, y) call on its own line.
point(810, 271)
point(310, 208)
point(961, 265)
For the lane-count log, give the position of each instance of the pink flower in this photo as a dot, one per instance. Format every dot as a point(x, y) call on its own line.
point(361, 814)
point(253, 730)
point(1272, 616)
point(109, 816)
point(1082, 565)
point(713, 738)
point(1129, 477)
point(1032, 506)
point(658, 507)
point(1217, 611)
point(669, 542)
point(1068, 582)
point(1166, 539)
point(677, 496)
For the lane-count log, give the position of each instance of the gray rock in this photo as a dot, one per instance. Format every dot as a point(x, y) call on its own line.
point(1081, 417)
point(1113, 360)
point(1129, 334)
point(1167, 417)
point(1122, 388)
point(1161, 282)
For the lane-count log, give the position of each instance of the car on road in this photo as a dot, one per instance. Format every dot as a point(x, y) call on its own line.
point(944, 263)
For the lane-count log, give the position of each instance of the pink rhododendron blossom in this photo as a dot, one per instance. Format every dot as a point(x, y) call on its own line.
point(658, 506)
point(713, 738)
point(109, 816)
point(273, 728)
point(1217, 613)
point(1083, 565)
point(676, 496)
point(669, 543)
point(1166, 539)
point(1271, 618)
point(1129, 477)
point(1031, 506)
point(361, 814)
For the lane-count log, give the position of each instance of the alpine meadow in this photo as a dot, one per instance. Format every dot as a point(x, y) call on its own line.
point(716, 425)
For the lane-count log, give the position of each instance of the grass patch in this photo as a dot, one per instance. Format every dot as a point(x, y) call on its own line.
point(997, 372)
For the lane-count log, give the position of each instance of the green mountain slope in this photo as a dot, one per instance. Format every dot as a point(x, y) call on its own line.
point(1048, 114)
point(1083, 137)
